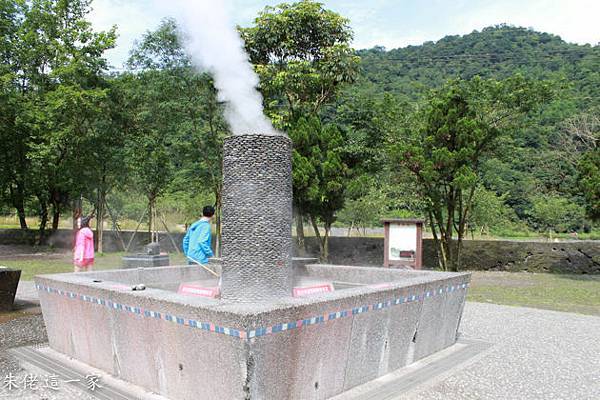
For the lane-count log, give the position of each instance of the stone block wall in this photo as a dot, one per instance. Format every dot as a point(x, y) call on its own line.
point(573, 257)
point(569, 257)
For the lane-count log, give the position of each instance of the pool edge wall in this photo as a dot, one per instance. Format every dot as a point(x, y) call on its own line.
point(304, 348)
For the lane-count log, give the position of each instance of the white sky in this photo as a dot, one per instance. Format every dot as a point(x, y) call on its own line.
point(390, 23)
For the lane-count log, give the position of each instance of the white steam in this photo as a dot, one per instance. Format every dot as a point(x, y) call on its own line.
point(216, 47)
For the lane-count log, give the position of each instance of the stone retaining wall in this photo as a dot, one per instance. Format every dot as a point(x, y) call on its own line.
point(572, 257)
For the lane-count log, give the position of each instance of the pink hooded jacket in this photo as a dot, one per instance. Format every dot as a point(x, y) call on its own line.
point(83, 254)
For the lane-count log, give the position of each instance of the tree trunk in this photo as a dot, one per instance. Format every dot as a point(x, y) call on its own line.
point(445, 260)
point(77, 211)
point(150, 218)
point(463, 217)
point(18, 201)
point(100, 220)
point(322, 240)
point(55, 216)
point(115, 226)
point(43, 219)
point(452, 254)
point(301, 243)
point(325, 254)
point(457, 254)
point(22, 220)
point(439, 245)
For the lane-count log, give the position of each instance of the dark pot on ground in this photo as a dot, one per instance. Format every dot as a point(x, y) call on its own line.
point(9, 280)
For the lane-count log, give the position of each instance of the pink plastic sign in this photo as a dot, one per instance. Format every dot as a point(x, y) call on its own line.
point(316, 289)
point(199, 291)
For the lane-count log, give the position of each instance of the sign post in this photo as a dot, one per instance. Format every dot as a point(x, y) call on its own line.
point(403, 243)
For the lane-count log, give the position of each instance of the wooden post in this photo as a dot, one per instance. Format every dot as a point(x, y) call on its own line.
point(386, 244)
point(419, 255)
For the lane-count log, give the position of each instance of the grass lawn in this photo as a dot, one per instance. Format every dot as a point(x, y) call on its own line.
point(53, 263)
point(571, 293)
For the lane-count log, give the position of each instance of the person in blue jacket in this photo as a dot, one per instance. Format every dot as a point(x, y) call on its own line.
point(196, 242)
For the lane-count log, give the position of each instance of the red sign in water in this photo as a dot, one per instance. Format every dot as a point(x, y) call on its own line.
point(199, 291)
point(316, 289)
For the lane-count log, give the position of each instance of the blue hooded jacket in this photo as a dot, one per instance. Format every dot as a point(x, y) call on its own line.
point(196, 242)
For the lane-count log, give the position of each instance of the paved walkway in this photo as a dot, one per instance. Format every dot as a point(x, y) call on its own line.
point(26, 292)
point(536, 354)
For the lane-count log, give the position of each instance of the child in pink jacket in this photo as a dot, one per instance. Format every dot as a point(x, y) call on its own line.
point(83, 253)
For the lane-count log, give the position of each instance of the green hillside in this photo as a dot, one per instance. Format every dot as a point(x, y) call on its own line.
point(495, 52)
point(533, 174)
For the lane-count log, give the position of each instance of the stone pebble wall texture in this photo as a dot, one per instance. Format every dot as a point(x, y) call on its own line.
point(569, 257)
point(257, 218)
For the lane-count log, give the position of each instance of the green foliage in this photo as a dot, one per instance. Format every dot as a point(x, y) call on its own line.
point(540, 157)
point(301, 53)
point(459, 125)
point(489, 211)
point(319, 172)
point(557, 214)
point(69, 130)
point(589, 182)
point(373, 190)
point(365, 210)
point(52, 76)
point(175, 123)
point(160, 49)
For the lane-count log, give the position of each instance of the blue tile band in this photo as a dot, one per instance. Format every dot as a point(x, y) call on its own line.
point(254, 333)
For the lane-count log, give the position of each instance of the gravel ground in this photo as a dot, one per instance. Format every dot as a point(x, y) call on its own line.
point(18, 332)
point(537, 354)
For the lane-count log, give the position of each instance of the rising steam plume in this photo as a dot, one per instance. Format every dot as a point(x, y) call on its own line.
point(216, 47)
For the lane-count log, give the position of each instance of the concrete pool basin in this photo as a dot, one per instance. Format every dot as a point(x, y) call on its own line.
point(314, 347)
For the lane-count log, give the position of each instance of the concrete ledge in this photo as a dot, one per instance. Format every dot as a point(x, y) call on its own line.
point(292, 348)
point(396, 385)
point(391, 386)
point(146, 261)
